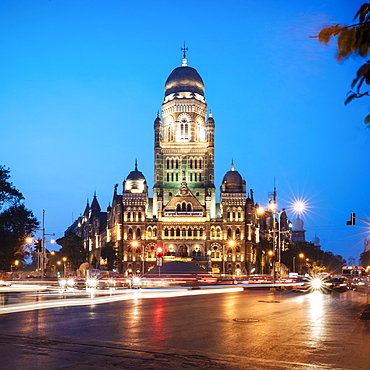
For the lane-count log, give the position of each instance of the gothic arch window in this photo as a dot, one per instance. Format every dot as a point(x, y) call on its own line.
point(183, 207)
point(172, 232)
point(178, 207)
point(229, 233)
point(218, 233)
point(129, 234)
point(189, 232)
point(213, 232)
point(171, 163)
point(177, 232)
point(200, 163)
point(139, 216)
point(138, 233)
point(166, 232)
point(168, 164)
point(228, 215)
point(195, 163)
point(177, 163)
point(154, 231)
point(200, 232)
point(128, 216)
point(188, 207)
point(237, 234)
point(183, 232)
point(149, 232)
point(195, 232)
point(191, 164)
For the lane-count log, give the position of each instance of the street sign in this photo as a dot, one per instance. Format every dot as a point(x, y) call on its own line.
point(159, 261)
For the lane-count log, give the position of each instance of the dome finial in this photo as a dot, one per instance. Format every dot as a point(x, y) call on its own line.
point(232, 165)
point(135, 164)
point(210, 114)
point(184, 60)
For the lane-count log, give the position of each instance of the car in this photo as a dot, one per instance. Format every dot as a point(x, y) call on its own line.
point(339, 284)
point(5, 283)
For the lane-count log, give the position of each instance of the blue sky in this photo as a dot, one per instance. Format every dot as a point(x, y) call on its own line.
point(81, 82)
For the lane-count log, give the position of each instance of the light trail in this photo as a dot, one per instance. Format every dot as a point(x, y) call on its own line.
point(142, 293)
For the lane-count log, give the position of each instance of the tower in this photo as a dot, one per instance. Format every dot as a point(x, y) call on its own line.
point(184, 142)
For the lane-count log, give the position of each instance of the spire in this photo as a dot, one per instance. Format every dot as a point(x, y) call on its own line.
point(232, 165)
point(184, 60)
point(210, 114)
point(135, 164)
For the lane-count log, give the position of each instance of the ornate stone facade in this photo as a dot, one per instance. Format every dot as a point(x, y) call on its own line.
point(182, 217)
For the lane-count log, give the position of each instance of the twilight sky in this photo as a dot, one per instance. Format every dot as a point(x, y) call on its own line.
point(81, 82)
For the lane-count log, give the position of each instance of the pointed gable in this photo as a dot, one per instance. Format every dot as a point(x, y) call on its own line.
point(184, 203)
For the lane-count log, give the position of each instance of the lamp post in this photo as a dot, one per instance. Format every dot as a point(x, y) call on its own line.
point(64, 266)
point(135, 244)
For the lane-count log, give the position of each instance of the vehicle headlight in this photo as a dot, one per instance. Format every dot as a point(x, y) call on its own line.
point(136, 280)
point(63, 283)
point(316, 283)
point(92, 283)
point(70, 282)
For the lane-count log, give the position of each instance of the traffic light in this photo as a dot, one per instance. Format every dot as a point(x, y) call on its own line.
point(37, 245)
point(352, 220)
point(159, 251)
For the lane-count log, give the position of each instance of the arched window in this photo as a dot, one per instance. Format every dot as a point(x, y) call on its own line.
point(177, 232)
point(128, 216)
point(200, 163)
point(155, 231)
point(200, 177)
point(191, 163)
point(186, 134)
point(188, 207)
point(229, 233)
point(166, 232)
point(149, 232)
point(183, 207)
point(177, 163)
point(129, 234)
point(237, 234)
point(171, 163)
point(189, 232)
point(172, 232)
point(178, 207)
point(139, 216)
point(183, 232)
point(195, 233)
point(168, 164)
point(200, 232)
point(138, 233)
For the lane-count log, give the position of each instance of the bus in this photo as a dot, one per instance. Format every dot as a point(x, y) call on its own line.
point(353, 271)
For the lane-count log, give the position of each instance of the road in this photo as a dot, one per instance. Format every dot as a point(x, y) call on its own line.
point(251, 329)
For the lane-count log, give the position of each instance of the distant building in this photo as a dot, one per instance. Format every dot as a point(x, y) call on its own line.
point(183, 216)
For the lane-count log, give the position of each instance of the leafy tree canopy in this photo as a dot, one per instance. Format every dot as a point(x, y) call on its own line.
point(109, 253)
point(8, 193)
point(72, 248)
point(365, 259)
point(16, 223)
point(353, 40)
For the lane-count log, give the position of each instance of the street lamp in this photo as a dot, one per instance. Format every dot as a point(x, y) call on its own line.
point(135, 245)
point(64, 266)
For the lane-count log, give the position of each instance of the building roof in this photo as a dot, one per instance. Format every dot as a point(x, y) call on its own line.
point(184, 79)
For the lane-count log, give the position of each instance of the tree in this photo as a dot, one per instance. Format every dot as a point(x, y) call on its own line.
point(365, 259)
point(73, 249)
point(16, 223)
point(353, 40)
point(109, 253)
point(8, 193)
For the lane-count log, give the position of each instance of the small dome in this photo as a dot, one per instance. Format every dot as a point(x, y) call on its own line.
point(135, 175)
point(135, 182)
point(298, 224)
point(233, 182)
point(184, 79)
point(316, 241)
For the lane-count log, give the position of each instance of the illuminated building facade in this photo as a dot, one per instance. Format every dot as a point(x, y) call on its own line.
point(182, 217)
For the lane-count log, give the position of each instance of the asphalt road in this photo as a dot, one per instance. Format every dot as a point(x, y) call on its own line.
point(257, 329)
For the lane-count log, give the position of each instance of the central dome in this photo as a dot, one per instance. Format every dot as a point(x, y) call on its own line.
point(184, 79)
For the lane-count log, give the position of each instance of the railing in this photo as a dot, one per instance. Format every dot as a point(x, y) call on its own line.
point(175, 213)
